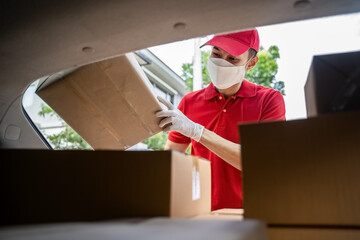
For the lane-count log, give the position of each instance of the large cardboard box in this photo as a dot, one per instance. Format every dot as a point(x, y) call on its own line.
point(333, 84)
point(39, 186)
point(303, 172)
point(111, 103)
point(223, 214)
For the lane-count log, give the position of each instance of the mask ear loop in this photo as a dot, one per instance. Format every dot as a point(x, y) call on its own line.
point(247, 63)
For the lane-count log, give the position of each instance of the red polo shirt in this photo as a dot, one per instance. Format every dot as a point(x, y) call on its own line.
point(252, 103)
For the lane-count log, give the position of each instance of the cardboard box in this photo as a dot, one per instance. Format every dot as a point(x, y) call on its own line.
point(111, 104)
point(333, 84)
point(303, 172)
point(39, 186)
point(312, 233)
point(223, 214)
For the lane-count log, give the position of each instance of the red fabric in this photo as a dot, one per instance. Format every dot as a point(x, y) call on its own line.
point(236, 43)
point(207, 107)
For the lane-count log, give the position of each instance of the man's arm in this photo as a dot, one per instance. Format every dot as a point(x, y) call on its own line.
point(223, 148)
point(175, 120)
point(177, 146)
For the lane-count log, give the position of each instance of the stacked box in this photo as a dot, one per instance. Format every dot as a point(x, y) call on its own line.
point(333, 84)
point(303, 173)
point(41, 186)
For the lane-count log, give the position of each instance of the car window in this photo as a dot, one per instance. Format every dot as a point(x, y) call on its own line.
point(52, 127)
point(61, 136)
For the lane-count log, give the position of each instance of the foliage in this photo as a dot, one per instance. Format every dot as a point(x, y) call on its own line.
point(264, 72)
point(46, 110)
point(67, 138)
point(156, 142)
point(187, 69)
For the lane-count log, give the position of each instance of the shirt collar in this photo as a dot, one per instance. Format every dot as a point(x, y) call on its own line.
point(246, 90)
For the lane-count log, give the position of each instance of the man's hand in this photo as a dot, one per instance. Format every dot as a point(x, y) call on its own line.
point(175, 120)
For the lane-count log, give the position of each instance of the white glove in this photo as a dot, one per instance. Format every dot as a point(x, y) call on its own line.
point(175, 120)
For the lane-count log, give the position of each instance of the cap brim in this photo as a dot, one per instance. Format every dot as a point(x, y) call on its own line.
point(229, 45)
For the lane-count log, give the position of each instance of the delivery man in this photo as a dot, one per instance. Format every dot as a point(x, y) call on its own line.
point(209, 118)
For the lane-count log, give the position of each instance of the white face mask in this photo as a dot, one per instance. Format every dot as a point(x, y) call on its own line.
point(224, 74)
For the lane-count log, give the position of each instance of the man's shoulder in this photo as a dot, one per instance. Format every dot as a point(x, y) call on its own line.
point(191, 101)
point(265, 91)
point(195, 94)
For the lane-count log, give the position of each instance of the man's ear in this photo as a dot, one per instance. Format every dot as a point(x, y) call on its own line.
point(253, 61)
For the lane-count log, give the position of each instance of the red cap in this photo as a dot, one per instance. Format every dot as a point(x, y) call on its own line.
point(236, 43)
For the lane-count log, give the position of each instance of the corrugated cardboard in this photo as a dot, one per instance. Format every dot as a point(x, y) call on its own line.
point(223, 214)
point(109, 103)
point(333, 84)
point(303, 172)
point(39, 186)
point(298, 233)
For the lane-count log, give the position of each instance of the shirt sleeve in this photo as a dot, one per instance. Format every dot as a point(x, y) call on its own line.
point(175, 136)
point(274, 107)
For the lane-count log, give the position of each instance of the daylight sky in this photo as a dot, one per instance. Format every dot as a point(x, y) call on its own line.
point(298, 42)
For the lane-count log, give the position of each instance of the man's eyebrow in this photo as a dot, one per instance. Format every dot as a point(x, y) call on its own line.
point(216, 48)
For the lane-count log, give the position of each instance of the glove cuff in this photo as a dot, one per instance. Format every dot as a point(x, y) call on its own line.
point(198, 131)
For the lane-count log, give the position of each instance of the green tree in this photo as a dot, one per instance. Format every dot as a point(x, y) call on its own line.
point(264, 72)
point(67, 138)
point(156, 142)
point(187, 71)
